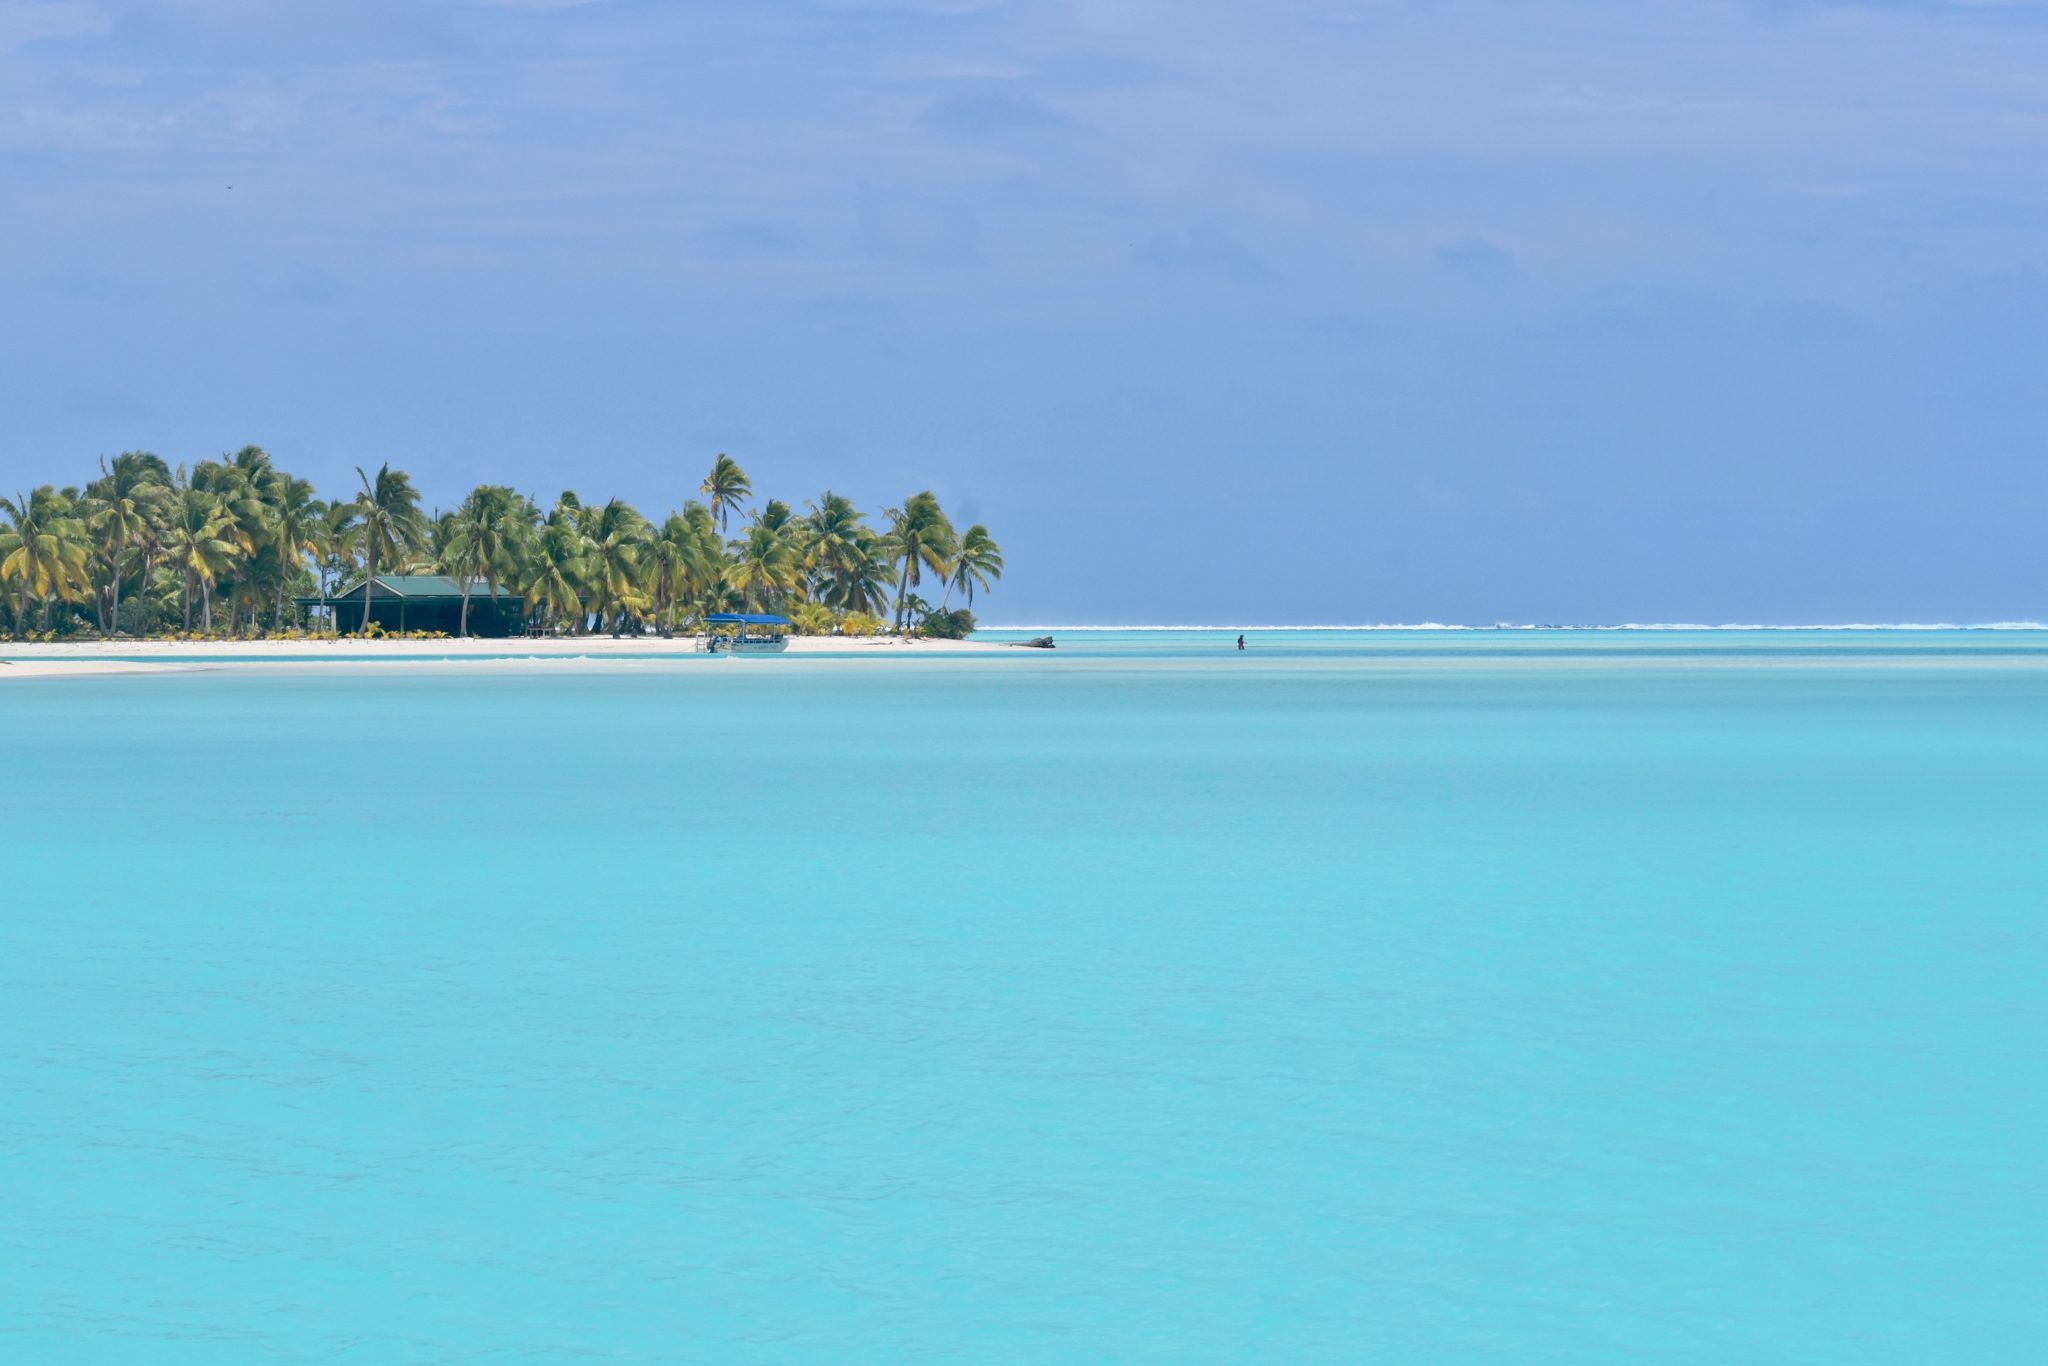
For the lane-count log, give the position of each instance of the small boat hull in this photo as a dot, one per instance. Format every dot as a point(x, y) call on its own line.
point(744, 645)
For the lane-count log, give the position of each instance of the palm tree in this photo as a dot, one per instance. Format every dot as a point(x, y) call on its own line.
point(681, 562)
point(388, 524)
point(244, 485)
point(256, 470)
point(43, 551)
point(862, 584)
point(706, 563)
point(200, 547)
point(149, 550)
point(129, 497)
point(550, 570)
point(766, 565)
point(844, 558)
point(612, 542)
point(726, 486)
point(482, 540)
point(978, 561)
point(919, 538)
point(298, 533)
point(794, 532)
point(338, 544)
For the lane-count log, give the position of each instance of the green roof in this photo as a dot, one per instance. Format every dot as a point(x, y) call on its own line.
point(417, 586)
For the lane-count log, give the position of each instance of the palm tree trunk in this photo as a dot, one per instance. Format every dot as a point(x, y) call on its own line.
point(188, 602)
point(462, 631)
point(206, 607)
point(369, 578)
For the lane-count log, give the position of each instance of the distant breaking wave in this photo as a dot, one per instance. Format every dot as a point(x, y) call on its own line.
point(1623, 626)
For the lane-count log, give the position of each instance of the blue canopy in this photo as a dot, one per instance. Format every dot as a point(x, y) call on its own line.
point(744, 619)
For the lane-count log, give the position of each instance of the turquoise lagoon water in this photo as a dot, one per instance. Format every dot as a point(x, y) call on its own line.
point(1440, 997)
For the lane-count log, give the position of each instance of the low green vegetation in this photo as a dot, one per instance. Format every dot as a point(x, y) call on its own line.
point(957, 624)
point(223, 548)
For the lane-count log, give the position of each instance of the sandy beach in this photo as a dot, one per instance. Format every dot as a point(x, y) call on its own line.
point(78, 658)
point(75, 668)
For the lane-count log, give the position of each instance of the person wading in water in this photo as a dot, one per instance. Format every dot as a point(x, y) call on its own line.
point(1240, 642)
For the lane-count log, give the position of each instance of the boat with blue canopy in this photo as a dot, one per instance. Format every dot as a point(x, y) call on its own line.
point(745, 633)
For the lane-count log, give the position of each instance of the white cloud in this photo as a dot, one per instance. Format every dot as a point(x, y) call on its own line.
point(259, 110)
point(444, 113)
point(979, 71)
point(42, 21)
point(538, 6)
point(43, 128)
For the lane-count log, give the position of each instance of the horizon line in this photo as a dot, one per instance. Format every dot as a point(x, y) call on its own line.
point(1550, 626)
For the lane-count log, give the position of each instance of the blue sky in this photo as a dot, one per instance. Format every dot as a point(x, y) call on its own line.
point(1593, 310)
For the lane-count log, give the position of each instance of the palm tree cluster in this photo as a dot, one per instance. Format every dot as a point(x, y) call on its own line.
point(228, 544)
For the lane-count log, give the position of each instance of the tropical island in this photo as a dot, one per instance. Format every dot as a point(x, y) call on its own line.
point(239, 549)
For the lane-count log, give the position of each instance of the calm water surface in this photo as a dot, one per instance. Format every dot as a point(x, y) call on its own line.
point(1519, 997)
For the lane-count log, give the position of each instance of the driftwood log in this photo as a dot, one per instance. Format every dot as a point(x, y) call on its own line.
point(1035, 643)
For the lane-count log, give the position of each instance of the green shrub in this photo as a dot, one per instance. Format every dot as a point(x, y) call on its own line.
point(957, 624)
